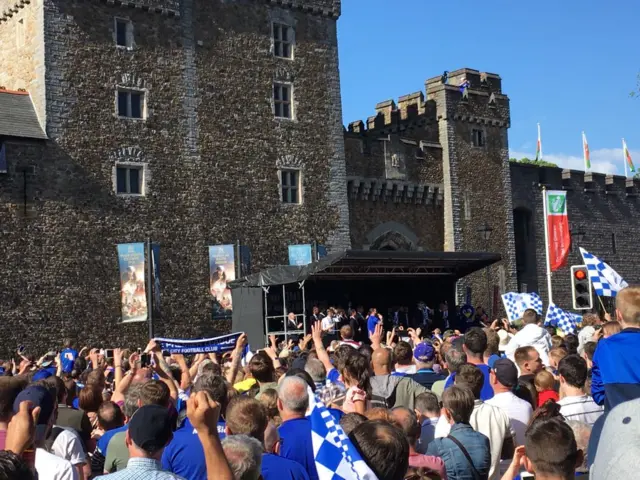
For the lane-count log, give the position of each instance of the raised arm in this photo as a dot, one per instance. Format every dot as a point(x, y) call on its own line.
point(323, 356)
point(236, 357)
point(185, 374)
point(203, 413)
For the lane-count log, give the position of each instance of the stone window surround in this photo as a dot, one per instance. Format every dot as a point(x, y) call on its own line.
point(466, 199)
point(291, 42)
point(144, 181)
point(300, 185)
point(21, 33)
point(129, 33)
point(292, 109)
point(484, 137)
point(145, 100)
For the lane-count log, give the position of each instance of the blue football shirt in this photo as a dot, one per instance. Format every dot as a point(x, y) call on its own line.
point(184, 455)
point(103, 441)
point(487, 390)
point(275, 467)
point(68, 358)
point(295, 444)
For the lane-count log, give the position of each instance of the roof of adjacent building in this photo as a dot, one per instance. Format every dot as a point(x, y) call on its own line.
point(18, 116)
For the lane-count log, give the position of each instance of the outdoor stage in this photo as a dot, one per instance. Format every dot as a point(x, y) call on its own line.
point(373, 278)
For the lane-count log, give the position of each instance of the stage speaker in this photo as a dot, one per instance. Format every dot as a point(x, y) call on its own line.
point(248, 316)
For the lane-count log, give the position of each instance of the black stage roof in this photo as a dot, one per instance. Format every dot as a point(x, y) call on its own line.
point(352, 264)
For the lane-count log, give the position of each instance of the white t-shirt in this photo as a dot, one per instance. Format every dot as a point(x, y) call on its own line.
point(68, 445)
point(519, 412)
point(52, 467)
point(580, 408)
point(328, 324)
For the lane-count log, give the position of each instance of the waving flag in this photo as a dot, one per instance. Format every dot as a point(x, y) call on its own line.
point(627, 157)
point(539, 146)
point(335, 456)
point(558, 228)
point(605, 280)
point(565, 321)
point(516, 303)
point(585, 151)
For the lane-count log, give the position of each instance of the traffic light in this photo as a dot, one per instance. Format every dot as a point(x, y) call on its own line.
point(580, 288)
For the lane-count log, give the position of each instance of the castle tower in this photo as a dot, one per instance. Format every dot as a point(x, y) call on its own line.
point(190, 123)
point(473, 123)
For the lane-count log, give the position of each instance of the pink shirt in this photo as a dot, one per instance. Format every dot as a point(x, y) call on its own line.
point(354, 394)
point(435, 464)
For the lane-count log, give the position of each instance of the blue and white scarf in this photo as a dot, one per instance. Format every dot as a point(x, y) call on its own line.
point(225, 343)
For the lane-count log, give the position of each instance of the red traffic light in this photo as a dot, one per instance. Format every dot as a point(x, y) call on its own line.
point(580, 274)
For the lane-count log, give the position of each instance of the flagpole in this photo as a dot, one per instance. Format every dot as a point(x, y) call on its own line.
point(624, 159)
point(540, 142)
point(546, 243)
point(602, 304)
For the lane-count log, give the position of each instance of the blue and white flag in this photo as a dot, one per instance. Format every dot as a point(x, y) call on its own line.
point(335, 456)
point(565, 321)
point(225, 343)
point(605, 280)
point(516, 303)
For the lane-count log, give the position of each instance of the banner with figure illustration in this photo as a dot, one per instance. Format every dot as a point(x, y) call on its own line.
point(132, 286)
point(222, 269)
point(558, 229)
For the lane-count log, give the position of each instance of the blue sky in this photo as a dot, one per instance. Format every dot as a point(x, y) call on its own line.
point(567, 64)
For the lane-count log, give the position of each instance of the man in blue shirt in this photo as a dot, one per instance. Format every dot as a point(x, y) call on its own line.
point(475, 343)
point(295, 431)
point(424, 356)
point(372, 321)
point(68, 356)
point(247, 416)
point(184, 456)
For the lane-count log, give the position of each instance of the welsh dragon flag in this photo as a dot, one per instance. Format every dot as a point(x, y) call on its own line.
point(539, 146)
point(557, 228)
point(585, 151)
point(627, 157)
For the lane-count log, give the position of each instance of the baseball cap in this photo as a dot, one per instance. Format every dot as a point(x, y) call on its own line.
point(41, 375)
point(39, 397)
point(424, 352)
point(506, 372)
point(150, 428)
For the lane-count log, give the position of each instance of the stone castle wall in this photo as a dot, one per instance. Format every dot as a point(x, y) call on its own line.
point(211, 150)
point(603, 208)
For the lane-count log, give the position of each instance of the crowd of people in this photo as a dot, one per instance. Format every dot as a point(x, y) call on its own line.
point(499, 401)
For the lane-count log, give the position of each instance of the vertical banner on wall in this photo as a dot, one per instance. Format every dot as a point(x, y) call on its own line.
point(155, 263)
point(132, 286)
point(300, 255)
point(245, 260)
point(321, 251)
point(222, 269)
point(558, 228)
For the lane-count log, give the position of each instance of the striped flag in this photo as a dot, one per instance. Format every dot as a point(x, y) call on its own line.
point(539, 146)
point(585, 151)
point(627, 157)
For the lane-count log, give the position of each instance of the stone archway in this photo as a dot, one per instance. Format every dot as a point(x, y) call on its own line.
point(392, 236)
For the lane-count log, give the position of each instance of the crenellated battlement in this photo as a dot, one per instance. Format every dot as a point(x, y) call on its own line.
point(588, 183)
point(415, 108)
point(478, 81)
point(327, 8)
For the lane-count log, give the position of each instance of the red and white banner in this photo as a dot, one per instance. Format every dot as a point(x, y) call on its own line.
point(558, 228)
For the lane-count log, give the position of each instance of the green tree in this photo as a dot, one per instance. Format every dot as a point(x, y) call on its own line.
point(537, 163)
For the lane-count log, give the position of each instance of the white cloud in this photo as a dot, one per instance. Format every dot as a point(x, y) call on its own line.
point(603, 160)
